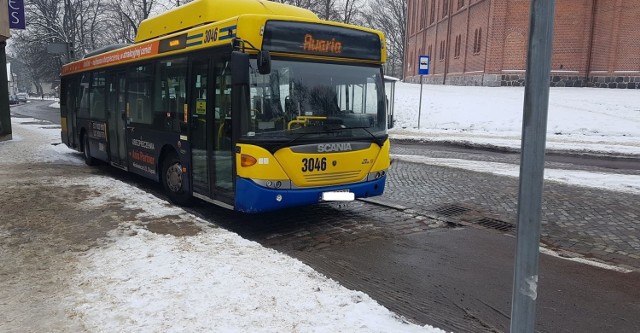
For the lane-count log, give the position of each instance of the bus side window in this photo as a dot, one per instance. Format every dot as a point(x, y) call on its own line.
point(83, 96)
point(170, 94)
point(222, 116)
point(139, 94)
point(97, 96)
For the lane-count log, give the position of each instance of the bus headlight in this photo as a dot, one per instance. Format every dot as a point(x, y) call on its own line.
point(274, 184)
point(376, 175)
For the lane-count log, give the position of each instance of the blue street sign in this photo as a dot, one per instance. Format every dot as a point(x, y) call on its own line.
point(423, 65)
point(16, 14)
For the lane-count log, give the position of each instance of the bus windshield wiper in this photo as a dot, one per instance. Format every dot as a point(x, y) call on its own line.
point(285, 144)
point(377, 140)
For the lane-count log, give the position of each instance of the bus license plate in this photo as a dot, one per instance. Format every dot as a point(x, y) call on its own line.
point(338, 196)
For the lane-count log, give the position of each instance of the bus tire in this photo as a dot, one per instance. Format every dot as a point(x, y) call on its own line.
point(172, 180)
point(86, 149)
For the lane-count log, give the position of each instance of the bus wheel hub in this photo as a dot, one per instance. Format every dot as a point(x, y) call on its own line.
point(174, 177)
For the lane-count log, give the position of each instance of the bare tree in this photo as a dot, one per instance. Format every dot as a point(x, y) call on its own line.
point(33, 65)
point(316, 6)
point(179, 3)
point(127, 16)
point(389, 16)
point(312, 5)
point(350, 12)
point(327, 10)
point(77, 23)
point(345, 11)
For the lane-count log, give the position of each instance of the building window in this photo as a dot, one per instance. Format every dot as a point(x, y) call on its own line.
point(425, 15)
point(443, 44)
point(456, 52)
point(445, 8)
point(429, 49)
point(477, 41)
point(432, 17)
point(416, 18)
point(460, 4)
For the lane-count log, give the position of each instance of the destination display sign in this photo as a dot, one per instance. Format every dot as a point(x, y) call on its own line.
point(320, 39)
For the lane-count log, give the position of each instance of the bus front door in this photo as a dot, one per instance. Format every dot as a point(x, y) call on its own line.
point(116, 125)
point(200, 124)
point(210, 136)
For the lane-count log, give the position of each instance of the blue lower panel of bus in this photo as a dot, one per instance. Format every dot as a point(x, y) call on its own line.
point(251, 198)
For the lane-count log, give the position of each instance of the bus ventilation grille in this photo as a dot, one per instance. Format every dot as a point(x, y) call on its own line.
point(334, 176)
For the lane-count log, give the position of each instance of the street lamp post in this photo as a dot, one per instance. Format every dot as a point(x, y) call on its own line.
point(5, 116)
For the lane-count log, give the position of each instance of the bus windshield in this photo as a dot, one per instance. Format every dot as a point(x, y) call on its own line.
point(315, 100)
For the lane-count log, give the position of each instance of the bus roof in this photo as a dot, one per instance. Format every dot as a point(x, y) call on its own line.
point(281, 29)
point(201, 12)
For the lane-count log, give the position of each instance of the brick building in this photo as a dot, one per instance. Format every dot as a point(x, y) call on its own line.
point(484, 42)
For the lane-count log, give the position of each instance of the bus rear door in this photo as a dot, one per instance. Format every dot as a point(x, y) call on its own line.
point(116, 118)
point(69, 108)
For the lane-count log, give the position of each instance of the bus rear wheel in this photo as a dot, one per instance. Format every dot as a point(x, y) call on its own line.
point(86, 148)
point(173, 180)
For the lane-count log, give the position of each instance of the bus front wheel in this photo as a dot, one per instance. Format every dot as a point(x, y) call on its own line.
point(173, 180)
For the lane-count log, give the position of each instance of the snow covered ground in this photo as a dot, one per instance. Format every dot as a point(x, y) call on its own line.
point(217, 281)
point(584, 120)
point(581, 120)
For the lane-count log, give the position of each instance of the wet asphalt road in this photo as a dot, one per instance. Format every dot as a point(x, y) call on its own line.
point(38, 109)
point(454, 276)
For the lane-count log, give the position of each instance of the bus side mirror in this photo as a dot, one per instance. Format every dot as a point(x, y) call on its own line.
point(264, 62)
point(239, 68)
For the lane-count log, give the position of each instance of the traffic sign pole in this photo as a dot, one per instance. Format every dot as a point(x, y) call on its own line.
point(423, 69)
point(534, 129)
point(420, 105)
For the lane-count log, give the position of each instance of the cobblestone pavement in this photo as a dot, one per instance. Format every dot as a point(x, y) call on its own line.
point(590, 222)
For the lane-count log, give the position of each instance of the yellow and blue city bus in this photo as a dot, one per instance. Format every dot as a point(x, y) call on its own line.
point(248, 104)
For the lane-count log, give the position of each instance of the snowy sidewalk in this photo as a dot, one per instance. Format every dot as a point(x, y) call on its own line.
point(83, 252)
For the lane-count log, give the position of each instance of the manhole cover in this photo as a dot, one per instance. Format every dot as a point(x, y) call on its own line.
point(491, 223)
point(451, 210)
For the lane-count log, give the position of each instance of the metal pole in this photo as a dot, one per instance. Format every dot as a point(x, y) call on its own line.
point(534, 128)
point(5, 113)
point(420, 105)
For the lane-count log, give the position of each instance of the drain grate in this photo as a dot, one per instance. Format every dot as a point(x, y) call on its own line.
point(495, 224)
point(451, 210)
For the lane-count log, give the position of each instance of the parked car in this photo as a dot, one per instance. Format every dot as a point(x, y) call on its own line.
point(13, 99)
point(22, 97)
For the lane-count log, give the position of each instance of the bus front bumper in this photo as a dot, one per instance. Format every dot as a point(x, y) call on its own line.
point(252, 198)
